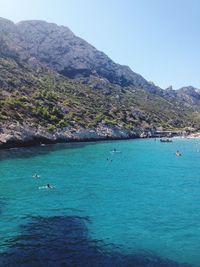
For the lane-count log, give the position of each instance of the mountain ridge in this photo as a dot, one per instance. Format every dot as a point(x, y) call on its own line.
point(24, 28)
point(69, 54)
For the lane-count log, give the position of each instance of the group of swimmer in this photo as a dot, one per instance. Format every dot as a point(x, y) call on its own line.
point(178, 153)
point(36, 176)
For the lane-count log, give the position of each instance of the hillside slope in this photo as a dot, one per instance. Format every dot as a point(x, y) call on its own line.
point(39, 103)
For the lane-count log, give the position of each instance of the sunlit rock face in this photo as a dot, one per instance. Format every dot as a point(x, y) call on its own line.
point(58, 48)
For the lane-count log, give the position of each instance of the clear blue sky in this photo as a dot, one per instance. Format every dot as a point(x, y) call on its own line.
point(160, 39)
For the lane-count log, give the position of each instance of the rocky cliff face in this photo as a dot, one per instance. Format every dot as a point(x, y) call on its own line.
point(17, 135)
point(58, 48)
point(188, 96)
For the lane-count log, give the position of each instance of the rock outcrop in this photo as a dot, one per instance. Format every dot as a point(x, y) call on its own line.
point(187, 95)
point(17, 135)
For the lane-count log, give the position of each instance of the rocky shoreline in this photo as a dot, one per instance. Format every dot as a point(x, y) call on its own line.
point(19, 135)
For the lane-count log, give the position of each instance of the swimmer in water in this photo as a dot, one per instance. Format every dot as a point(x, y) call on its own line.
point(114, 150)
point(178, 153)
point(36, 176)
point(47, 186)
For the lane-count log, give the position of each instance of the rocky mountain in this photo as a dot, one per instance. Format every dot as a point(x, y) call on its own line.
point(55, 86)
point(189, 96)
point(58, 48)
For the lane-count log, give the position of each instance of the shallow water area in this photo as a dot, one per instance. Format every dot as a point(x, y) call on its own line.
point(137, 205)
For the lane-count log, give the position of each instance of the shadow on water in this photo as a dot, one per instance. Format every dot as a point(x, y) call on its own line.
point(28, 152)
point(3, 202)
point(64, 241)
point(39, 150)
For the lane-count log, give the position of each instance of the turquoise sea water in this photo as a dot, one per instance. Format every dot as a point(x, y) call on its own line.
point(135, 207)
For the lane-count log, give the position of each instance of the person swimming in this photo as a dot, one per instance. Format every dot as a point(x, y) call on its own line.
point(178, 153)
point(47, 186)
point(36, 176)
point(114, 151)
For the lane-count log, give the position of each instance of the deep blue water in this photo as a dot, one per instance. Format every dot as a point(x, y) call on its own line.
point(137, 207)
